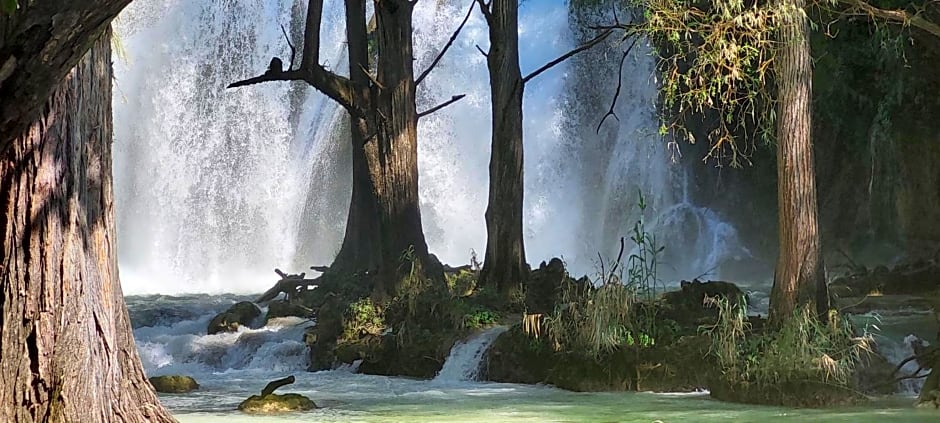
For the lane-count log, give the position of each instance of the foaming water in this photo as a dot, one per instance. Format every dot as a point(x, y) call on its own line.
point(466, 357)
point(171, 342)
point(231, 367)
point(215, 187)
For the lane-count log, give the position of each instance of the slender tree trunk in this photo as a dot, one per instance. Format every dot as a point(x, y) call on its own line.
point(800, 276)
point(393, 152)
point(504, 265)
point(361, 244)
point(67, 353)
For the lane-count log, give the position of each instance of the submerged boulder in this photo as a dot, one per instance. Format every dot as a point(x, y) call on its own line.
point(240, 314)
point(174, 384)
point(276, 403)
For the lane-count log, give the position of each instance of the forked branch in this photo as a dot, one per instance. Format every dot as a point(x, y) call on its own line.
point(900, 16)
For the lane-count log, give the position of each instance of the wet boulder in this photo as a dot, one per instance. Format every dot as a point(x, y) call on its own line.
point(174, 384)
point(240, 314)
point(270, 403)
point(276, 403)
point(281, 308)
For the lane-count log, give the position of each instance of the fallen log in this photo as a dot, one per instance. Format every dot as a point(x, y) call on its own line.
point(274, 384)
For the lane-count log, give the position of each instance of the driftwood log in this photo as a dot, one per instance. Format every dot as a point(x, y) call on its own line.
point(274, 384)
point(289, 285)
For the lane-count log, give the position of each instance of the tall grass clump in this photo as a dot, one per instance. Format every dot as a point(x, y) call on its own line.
point(803, 350)
point(615, 310)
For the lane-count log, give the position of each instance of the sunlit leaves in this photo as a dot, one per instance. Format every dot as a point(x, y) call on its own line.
point(716, 59)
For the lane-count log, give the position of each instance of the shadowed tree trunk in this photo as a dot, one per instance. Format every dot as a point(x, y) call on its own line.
point(504, 265)
point(800, 276)
point(67, 353)
point(39, 43)
point(361, 244)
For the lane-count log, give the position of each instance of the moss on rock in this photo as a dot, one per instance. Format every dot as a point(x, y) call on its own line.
point(174, 384)
point(276, 403)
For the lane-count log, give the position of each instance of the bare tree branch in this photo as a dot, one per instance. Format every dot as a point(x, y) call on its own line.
point(613, 103)
point(336, 87)
point(293, 51)
point(901, 16)
point(452, 100)
point(485, 54)
point(446, 46)
point(593, 42)
point(332, 85)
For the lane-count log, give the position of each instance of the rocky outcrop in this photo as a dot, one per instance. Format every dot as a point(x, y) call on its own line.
point(921, 278)
point(688, 304)
point(240, 314)
point(174, 384)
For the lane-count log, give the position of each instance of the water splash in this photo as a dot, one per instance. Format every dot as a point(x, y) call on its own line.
point(466, 357)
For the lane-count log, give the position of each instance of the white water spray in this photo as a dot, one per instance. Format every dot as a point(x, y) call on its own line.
point(216, 187)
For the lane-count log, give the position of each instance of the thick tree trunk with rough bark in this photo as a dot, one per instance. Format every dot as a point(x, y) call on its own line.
point(67, 352)
point(39, 44)
point(800, 276)
point(393, 152)
point(505, 265)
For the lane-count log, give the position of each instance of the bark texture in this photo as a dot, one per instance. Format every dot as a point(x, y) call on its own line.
point(67, 353)
point(39, 44)
point(393, 153)
point(800, 276)
point(504, 265)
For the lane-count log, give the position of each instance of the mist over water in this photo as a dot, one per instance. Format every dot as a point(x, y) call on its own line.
point(216, 187)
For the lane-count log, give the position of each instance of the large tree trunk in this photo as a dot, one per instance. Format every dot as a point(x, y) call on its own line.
point(39, 44)
point(67, 353)
point(800, 277)
point(504, 264)
point(393, 152)
point(361, 244)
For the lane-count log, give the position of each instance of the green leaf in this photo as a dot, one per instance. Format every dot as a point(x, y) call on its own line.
point(8, 6)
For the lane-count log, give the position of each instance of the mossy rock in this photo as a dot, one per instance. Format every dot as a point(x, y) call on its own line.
point(240, 314)
point(422, 356)
point(681, 365)
point(803, 394)
point(276, 403)
point(281, 308)
point(930, 399)
point(174, 384)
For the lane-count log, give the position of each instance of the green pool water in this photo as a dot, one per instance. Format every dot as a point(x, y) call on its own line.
point(346, 397)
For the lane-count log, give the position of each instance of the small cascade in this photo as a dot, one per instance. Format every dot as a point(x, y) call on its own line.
point(170, 342)
point(466, 357)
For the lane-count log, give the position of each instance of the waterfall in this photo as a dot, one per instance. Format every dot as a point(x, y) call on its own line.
point(466, 357)
point(216, 187)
